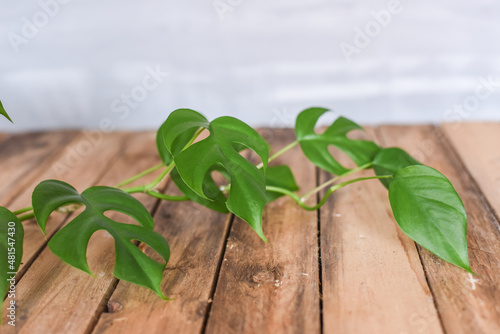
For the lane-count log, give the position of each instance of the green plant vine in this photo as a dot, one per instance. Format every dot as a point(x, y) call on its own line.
point(425, 204)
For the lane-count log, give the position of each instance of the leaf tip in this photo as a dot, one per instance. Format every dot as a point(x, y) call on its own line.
point(261, 235)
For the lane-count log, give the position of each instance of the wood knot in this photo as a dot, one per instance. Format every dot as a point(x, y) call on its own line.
point(263, 277)
point(114, 307)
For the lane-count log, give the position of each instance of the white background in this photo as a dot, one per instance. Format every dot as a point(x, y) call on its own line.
point(261, 61)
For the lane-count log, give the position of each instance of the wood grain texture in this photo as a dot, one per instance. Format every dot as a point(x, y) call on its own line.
point(74, 298)
point(273, 287)
point(466, 304)
point(372, 274)
point(26, 155)
point(477, 145)
point(373, 281)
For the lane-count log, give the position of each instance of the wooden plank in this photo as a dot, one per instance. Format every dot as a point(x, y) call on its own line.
point(466, 304)
point(3, 137)
point(273, 287)
point(373, 281)
point(74, 298)
point(24, 156)
point(196, 236)
point(477, 146)
point(79, 164)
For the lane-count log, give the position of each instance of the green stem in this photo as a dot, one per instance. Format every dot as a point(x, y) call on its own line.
point(140, 175)
point(301, 200)
point(27, 216)
point(335, 179)
point(156, 194)
point(280, 152)
point(20, 211)
point(147, 187)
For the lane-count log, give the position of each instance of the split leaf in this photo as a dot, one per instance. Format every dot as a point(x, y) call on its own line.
point(429, 211)
point(179, 129)
point(228, 135)
point(71, 242)
point(315, 146)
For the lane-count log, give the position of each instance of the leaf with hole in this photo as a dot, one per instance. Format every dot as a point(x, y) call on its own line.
point(179, 128)
point(70, 243)
point(11, 248)
point(315, 146)
point(389, 160)
point(247, 195)
point(429, 211)
point(4, 113)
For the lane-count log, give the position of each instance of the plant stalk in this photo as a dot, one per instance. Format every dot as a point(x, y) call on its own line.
point(140, 175)
point(301, 200)
point(335, 179)
point(21, 211)
point(280, 152)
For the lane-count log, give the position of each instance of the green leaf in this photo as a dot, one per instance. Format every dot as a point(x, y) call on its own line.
point(247, 195)
point(216, 201)
point(11, 248)
point(4, 113)
point(315, 146)
point(183, 124)
point(429, 211)
point(177, 131)
point(70, 243)
point(389, 160)
point(282, 177)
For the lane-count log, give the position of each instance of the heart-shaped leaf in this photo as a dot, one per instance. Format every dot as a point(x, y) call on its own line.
point(179, 129)
point(247, 195)
point(70, 243)
point(389, 160)
point(282, 177)
point(315, 146)
point(4, 113)
point(11, 248)
point(429, 211)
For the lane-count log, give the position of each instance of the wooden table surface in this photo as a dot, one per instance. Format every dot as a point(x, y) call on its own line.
point(346, 268)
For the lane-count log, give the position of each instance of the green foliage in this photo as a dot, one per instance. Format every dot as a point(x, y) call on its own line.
point(425, 204)
point(389, 160)
point(11, 247)
point(428, 210)
point(4, 113)
point(315, 146)
point(70, 243)
point(247, 195)
point(281, 177)
point(174, 134)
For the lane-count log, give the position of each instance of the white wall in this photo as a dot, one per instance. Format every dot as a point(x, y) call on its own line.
point(261, 61)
